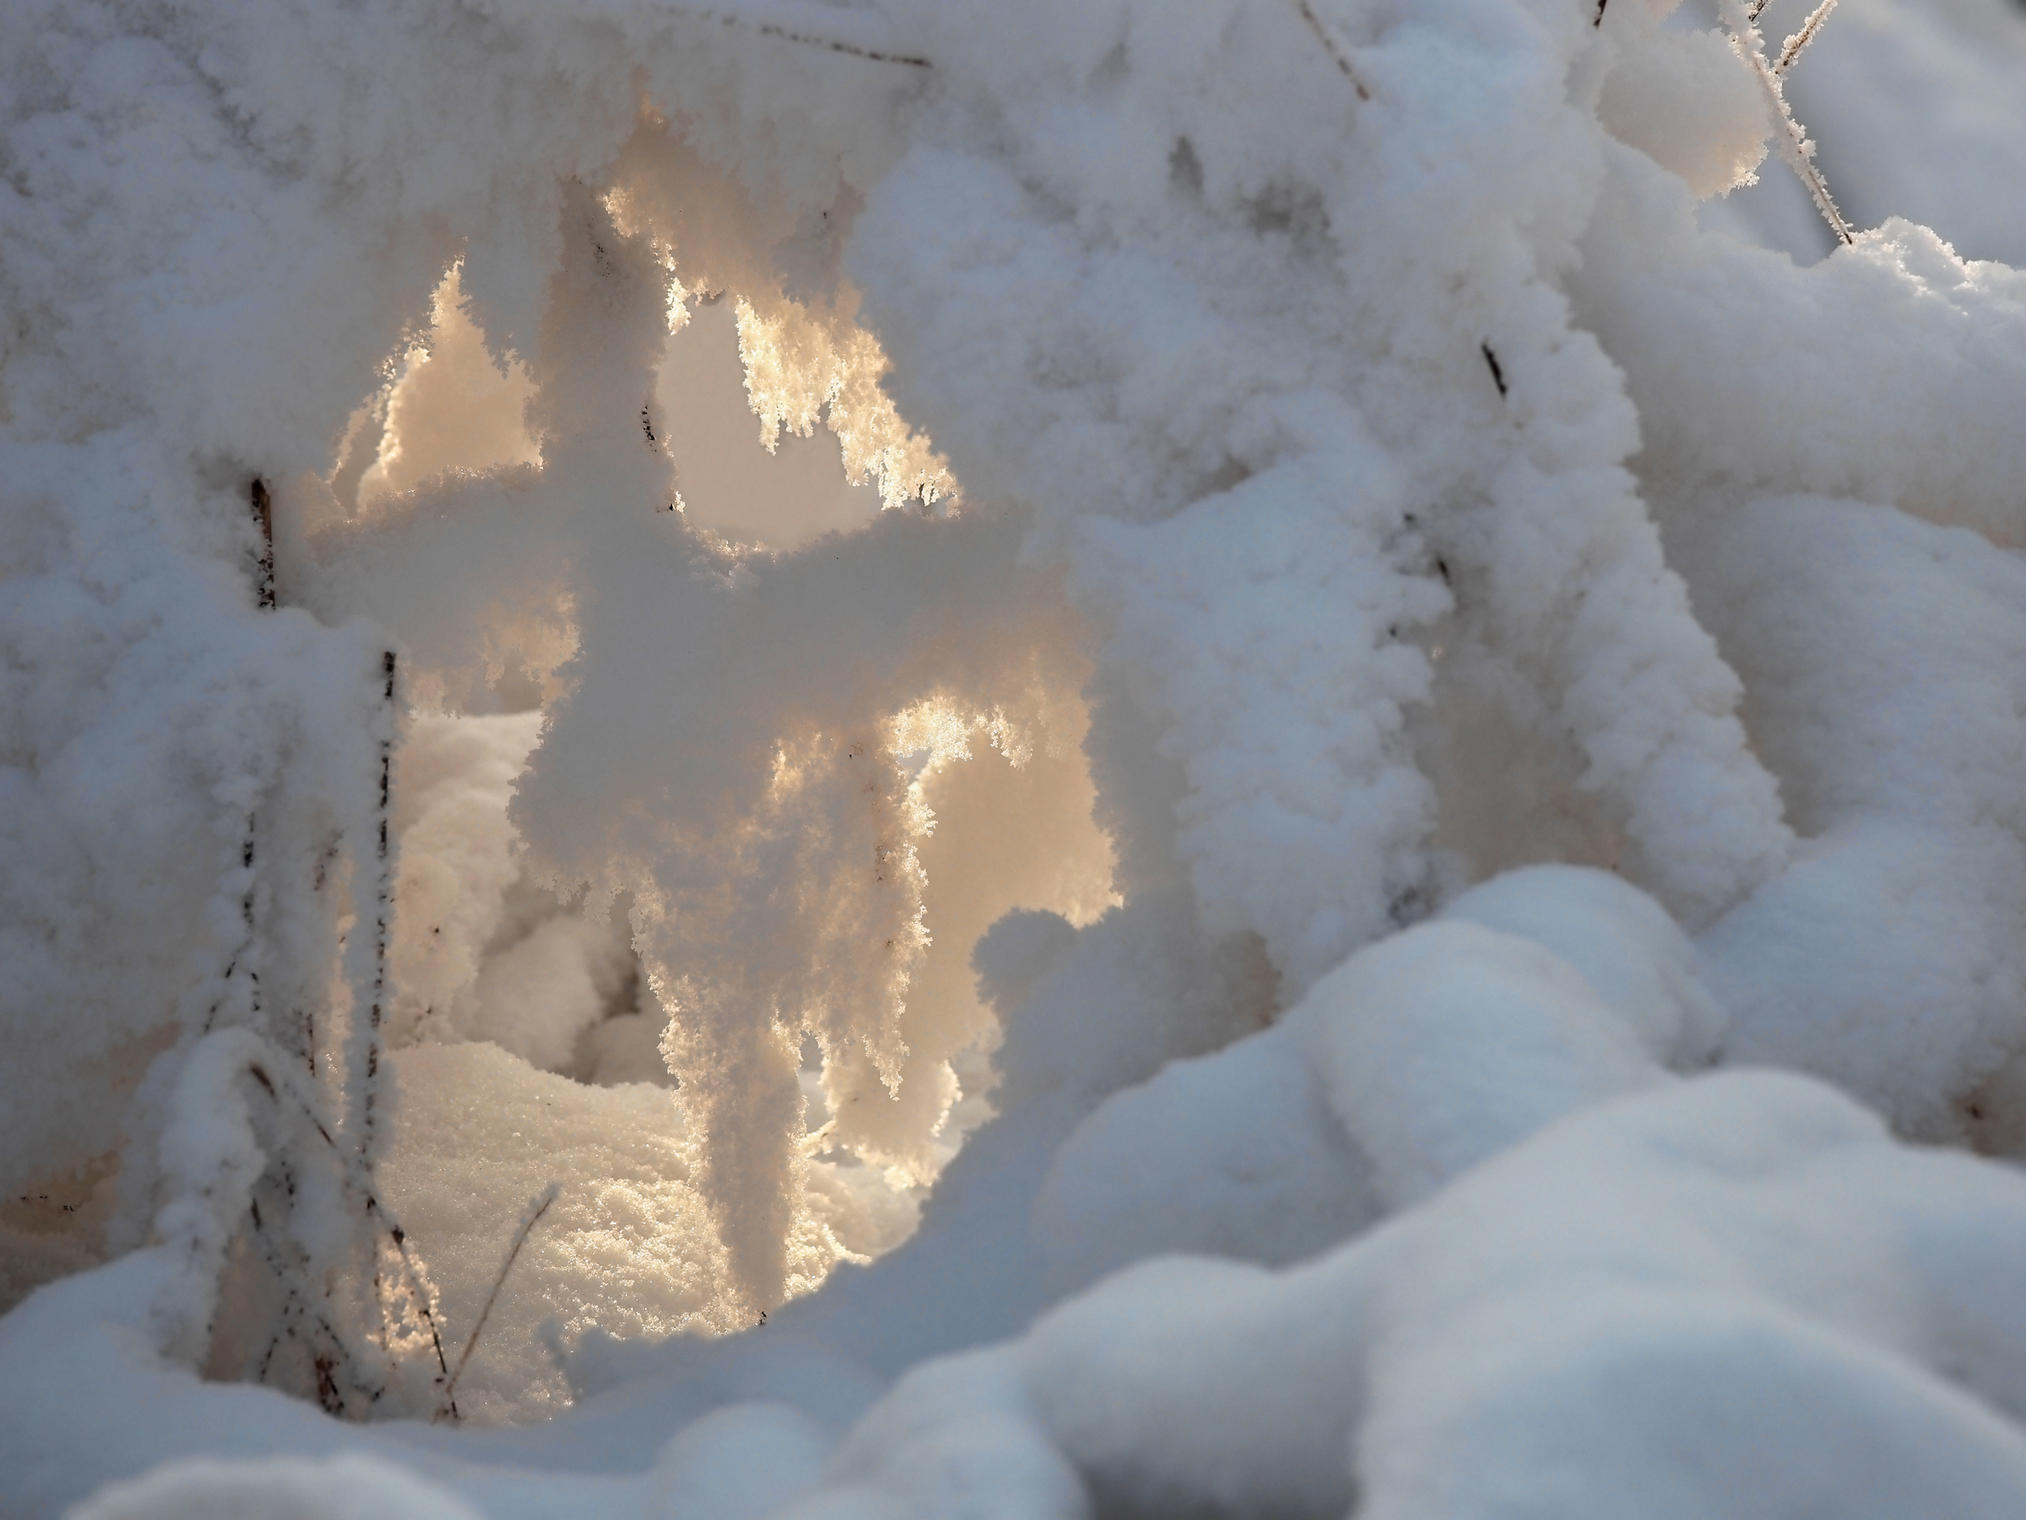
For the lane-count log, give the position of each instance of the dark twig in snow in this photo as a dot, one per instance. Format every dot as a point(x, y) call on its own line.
point(263, 516)
point(534, 1217)
point(1497, 372)
point(297, 1307)
point(355, 1177)
point(242, 958)
point(418, 1295)
point(383, 908)
point(826, 38)
point(263, 598)
point(1333, 45)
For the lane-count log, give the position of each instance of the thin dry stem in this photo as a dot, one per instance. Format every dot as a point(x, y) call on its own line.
point(762, 26)
point(242, 958)
point(354, 1176)
point(383, 908)
point(1333, 45)
point(540, 1207)
point(262, 505)
point(296, 1306)
point(263, 517)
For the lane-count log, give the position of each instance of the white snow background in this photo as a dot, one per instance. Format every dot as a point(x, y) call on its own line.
point(846, 758)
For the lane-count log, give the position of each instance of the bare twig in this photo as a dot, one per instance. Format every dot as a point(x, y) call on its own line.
point(1793, 142)
point(1791, 49)
point(296, 1304)
point(263, 516)
point(354, 1175)
point(242, 958)
point(746, 19)
point(1497, 379)
point(535, 1213)
point(1333, 45)
point(368, 1076)
point(263, 595)
point(418, 1291)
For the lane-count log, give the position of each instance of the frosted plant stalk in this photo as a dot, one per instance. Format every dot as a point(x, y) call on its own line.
point(363, 1078)
point(1792, 141)
point(1791, 49)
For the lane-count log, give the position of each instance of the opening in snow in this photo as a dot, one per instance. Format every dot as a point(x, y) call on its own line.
point(529, 1030)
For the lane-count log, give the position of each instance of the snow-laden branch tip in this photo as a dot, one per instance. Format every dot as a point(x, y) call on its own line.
point(1791, 49)
point(1792, 141)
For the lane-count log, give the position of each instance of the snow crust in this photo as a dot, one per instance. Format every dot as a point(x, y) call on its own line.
point(1385, 884)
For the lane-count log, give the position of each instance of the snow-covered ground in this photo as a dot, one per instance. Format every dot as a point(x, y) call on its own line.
point(930, 758)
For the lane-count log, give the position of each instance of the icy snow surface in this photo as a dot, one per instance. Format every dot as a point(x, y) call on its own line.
point(1233, 757)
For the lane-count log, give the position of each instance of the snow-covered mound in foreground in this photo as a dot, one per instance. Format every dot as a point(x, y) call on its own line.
point(1527, 647)
point(1734, 1296)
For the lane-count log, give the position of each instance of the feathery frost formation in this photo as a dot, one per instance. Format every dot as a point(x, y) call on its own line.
point(1165, 918)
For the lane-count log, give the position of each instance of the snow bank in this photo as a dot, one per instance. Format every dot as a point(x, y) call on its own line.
point(1634, 1310)
point(1421, 1056)
point(1748, 1257)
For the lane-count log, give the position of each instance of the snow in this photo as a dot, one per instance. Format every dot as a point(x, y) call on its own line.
point(1233, 758)
point(343, 1488)
point(1710, 1300)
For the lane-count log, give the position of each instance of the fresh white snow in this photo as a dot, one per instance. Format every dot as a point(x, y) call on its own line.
point(1234, 757)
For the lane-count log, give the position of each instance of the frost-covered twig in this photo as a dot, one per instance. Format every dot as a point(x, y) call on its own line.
point(1791, 49)
point(222, 1160)
point(264, 598)
point(1793, 142)
point(1340, 55)
point(306, 1017)
point(297, 1307)
point(242, 958)
point(418, 1294)
point(537, 1209)
point(364, 1045)
point(355, 1177)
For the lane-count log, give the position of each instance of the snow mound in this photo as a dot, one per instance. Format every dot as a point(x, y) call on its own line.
point(343, 1488)
point(1735, 1295)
